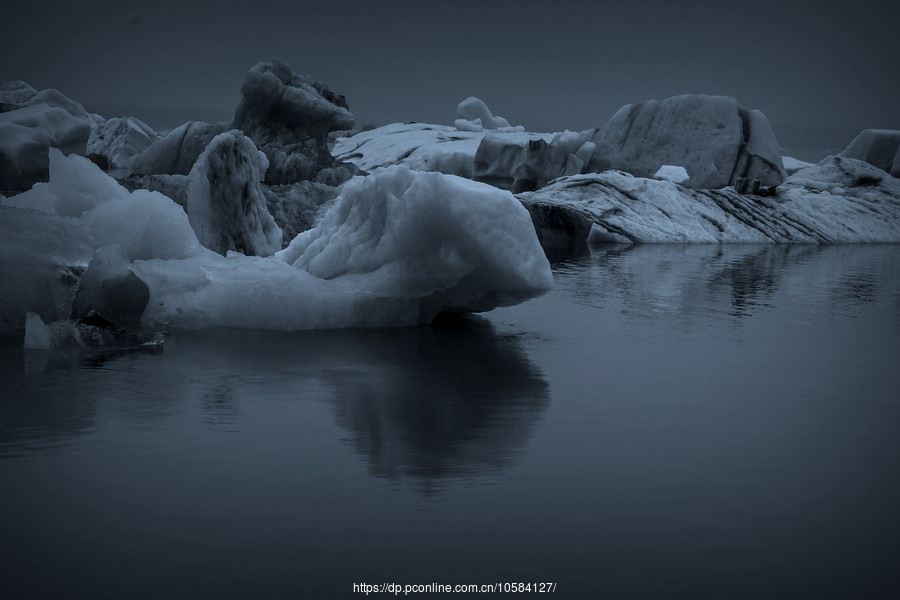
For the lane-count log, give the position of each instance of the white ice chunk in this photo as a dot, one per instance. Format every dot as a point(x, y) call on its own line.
point(474, 109)
point(673, 173)
point(466, 125)
point(454, 243)
point(37, 336)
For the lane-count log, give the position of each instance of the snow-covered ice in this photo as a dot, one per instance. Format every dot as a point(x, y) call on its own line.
point(419, 146)
point(472, 114)
point(839, 200)
point(673, 173)
point(500, 157)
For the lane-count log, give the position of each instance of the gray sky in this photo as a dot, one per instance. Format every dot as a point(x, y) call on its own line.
point(823, 68)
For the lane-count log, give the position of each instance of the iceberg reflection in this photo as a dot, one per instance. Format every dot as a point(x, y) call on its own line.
point(422, 404)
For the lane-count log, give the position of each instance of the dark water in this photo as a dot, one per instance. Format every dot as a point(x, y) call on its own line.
point(671, 421)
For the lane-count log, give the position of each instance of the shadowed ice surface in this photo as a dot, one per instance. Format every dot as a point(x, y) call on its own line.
point(671, 421)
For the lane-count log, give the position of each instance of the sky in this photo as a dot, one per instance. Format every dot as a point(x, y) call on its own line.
point(821, 71)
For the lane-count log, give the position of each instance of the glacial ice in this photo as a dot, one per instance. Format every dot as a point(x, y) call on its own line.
point(878, 147)
point(792, 165)
point(419, 146)
point(840, 200)
point(226, 204)
point(176, 152)
point(508, 158)
point(119, 140)
point(396, 248)
point(472, 114)
point(447, 242)
point(673, 173)
point(289, 116)
point(25, 136)
point(713, 137)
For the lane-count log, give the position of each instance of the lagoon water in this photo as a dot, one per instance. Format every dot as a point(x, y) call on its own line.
point(671, 421)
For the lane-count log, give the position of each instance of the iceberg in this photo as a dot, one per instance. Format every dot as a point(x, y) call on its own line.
point(673, 173)
point(176, 152)
point(419, 146)
point(792, 165)
point(396, 248)
point(119, 140)
point(27, 133)
point(449, 243)
point(878, 147)
point(289, 116)
point(472, 114)
point(840, 200)
point(226, 204)
point(713, 137)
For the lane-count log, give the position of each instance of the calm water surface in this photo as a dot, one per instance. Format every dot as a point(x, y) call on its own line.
point(671, 421)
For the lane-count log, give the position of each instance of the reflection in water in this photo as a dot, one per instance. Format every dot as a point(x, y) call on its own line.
point(687, 281)
point(422, 404)
point(49, 396)
point(450, 400)
point(717, 420)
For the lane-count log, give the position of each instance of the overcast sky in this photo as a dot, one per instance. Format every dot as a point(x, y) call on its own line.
point(549, 65)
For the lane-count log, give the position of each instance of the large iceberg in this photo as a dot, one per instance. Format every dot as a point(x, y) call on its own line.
point(288, 116)
point(396, 248)
point(713, 137)
point(31, 122)
point(840, 200)
point(443, 242)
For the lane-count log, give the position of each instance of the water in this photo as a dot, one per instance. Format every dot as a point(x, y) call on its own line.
point(671, 421)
